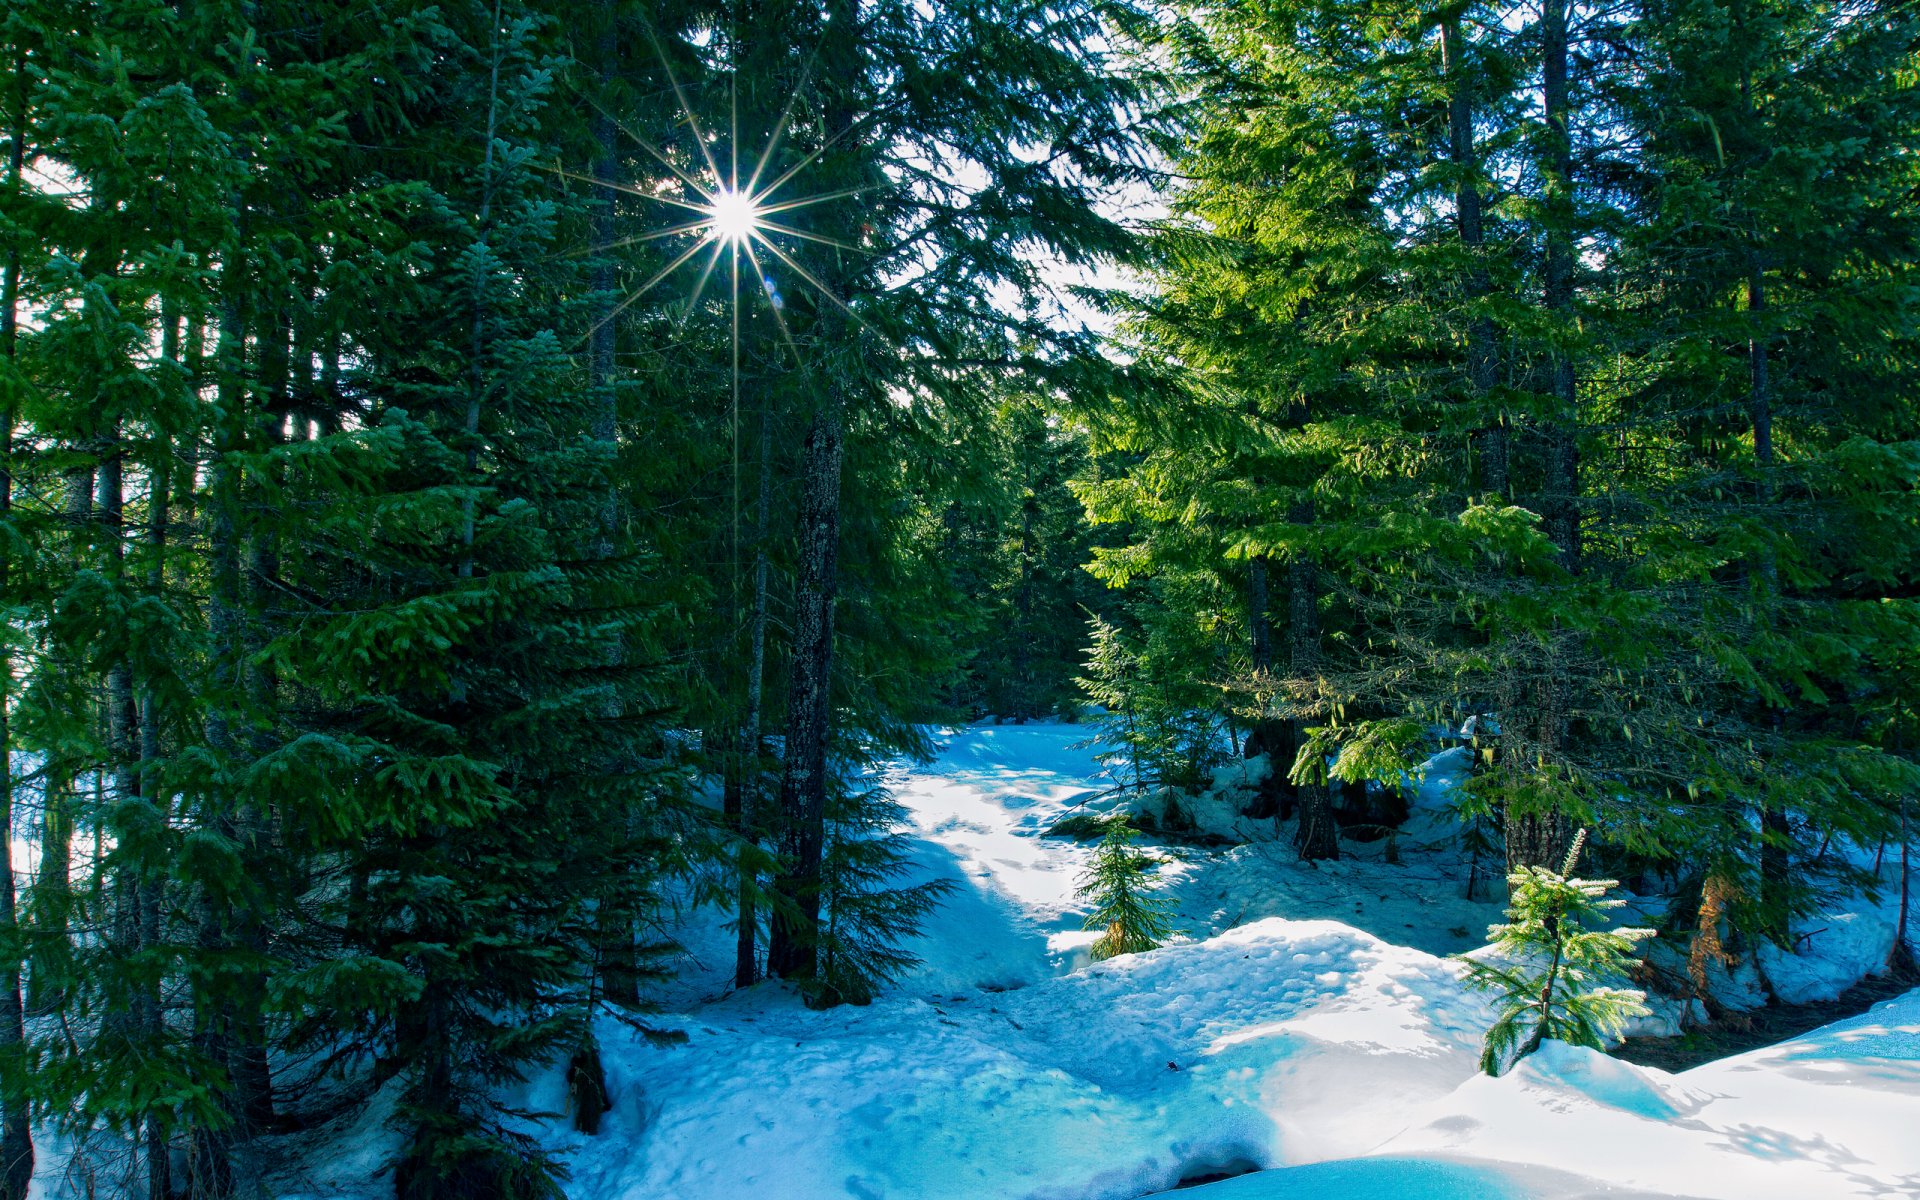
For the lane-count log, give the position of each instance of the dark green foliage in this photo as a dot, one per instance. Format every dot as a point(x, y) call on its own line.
point(385, 560)
point(866, 911)
point(1609, 503)
point(1128, 908)
point(1019, 547)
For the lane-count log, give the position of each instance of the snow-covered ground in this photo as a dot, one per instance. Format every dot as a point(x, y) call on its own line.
point(1304, 1025)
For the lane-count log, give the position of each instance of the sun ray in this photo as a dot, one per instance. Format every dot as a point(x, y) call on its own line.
point(700, 286)
point(779, 131)
point(773, 303)
point(807, 201)
point(693, 122)
point(642, 290)
point(640, 238)
point(658, 154)
point(628, 188)
point(815, 154)
point(836, 243)
point(822, 288)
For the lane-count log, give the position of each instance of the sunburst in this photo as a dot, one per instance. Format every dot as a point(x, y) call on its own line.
point(731, 215)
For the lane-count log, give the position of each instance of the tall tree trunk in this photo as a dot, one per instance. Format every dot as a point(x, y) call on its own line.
point(1482, 368)
point(252, 1076)
point(16, 1140)
point(752, 772)
point(152, 897)
point(1563, 448)
point(803, 781)
point(615, 918)
point(210, 1146)
point(792, 949)
point(1269, 735)
point(1317, 836)
point(130, 882)
point(1538, 837)
point(1776, 883)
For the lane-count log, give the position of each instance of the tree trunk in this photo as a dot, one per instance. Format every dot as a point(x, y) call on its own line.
point(252, 1076)
point(152, 898)
point(1269, 736)
point(1776, 884)
point(210, 1148)
point(792, 949)
point(1482, 369)
point(16, 1140)
point(1539, 837)
point(1562, 499)
point(1317, 836)
point(745, 964)
point(616, 919)
point(803, 781)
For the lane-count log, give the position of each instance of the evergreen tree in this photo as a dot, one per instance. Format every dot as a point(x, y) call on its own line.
point(1550, 969)
point(865, 914)
point(1128, 909)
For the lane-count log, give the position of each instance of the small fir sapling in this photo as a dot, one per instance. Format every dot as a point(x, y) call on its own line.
point(1549, 971)
point(1127, 904)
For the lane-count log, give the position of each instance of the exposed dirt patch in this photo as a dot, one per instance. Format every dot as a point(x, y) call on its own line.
point(1761, 1027)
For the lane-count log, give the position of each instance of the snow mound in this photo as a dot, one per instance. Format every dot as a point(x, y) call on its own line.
point(1827, 1115)
point(1834, 951)
point(1262, 1046)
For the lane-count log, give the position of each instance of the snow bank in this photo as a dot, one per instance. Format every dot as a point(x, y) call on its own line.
point(1832, 951)
point(1264, 1046)
point(1830, 1114)
point(1275, 1034)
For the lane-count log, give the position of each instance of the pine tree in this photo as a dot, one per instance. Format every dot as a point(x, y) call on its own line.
point(1550, 969)
point(1128, 908)
point(865, 913)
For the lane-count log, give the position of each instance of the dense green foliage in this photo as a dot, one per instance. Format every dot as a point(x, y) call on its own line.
point(1547, 370)
point(410, 507)
point(434, 556)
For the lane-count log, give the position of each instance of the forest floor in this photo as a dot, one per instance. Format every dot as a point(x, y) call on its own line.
point(1765, 1026)
point(1305, 1034)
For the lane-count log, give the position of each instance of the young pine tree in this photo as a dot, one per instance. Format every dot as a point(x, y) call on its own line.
point(1127, 903)
point(1551, 968)
point(866, 913)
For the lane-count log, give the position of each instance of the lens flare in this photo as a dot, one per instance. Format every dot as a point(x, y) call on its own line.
point(733, 216)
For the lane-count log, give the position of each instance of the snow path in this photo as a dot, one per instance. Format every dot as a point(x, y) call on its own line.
point(978, 813)
point(1006, 1066)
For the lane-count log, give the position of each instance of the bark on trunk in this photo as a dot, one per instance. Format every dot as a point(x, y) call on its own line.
point(1317, 836)
point(1540, 839)
point(792, 950)
point(803, 781)
point(1482, 368)
point(16, 1140)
